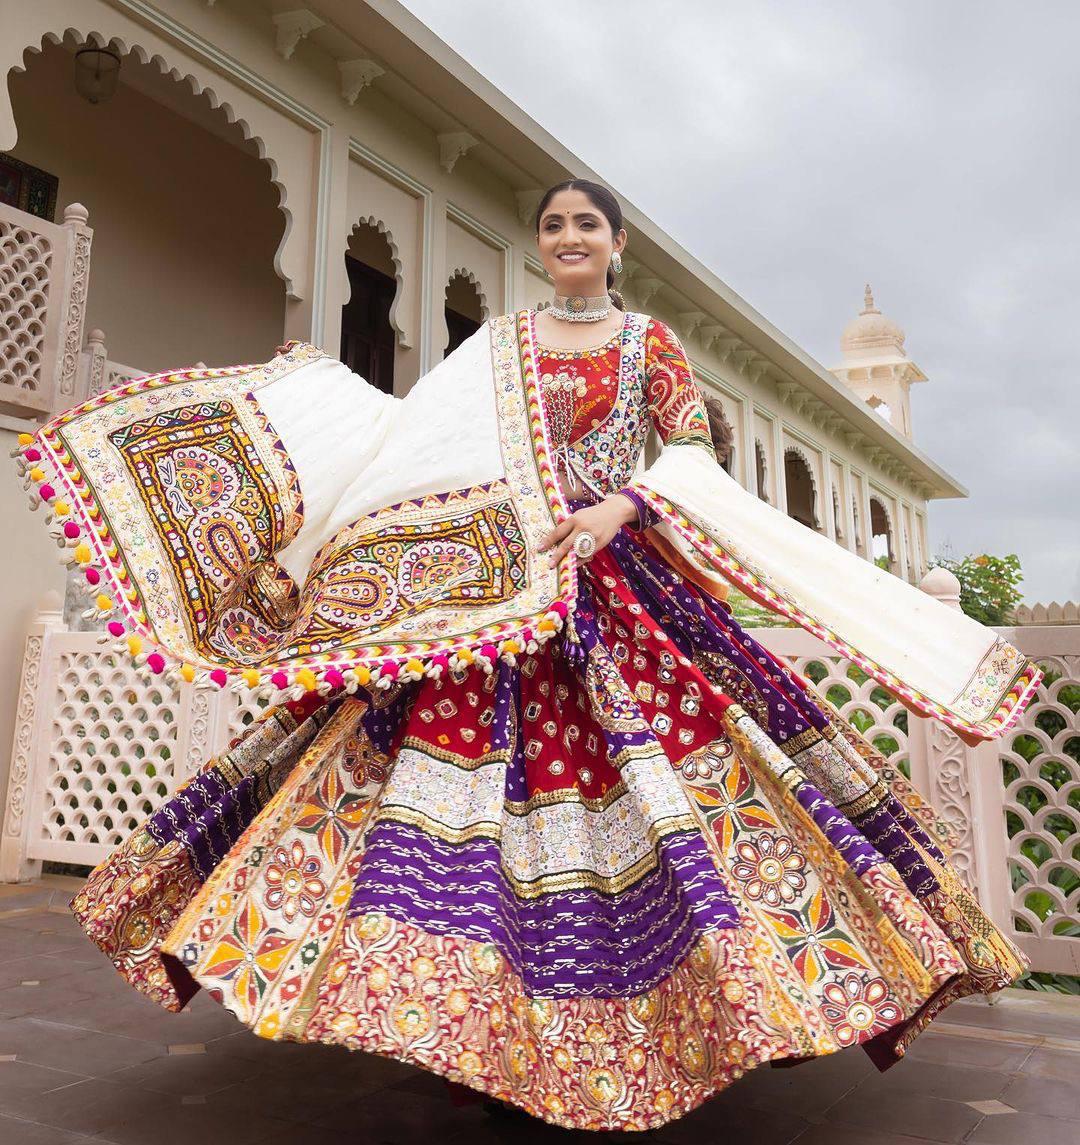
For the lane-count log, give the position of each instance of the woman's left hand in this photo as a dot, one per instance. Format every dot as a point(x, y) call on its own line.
point(603, 521)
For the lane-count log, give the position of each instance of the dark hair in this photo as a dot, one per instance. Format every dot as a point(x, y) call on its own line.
point(605, 202)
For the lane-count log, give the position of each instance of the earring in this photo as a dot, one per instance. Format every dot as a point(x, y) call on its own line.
point(616, 262)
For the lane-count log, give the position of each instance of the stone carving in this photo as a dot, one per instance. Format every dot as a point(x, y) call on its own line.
point(26, 281)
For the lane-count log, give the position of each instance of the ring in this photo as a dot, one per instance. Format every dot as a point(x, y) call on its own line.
point(584, 545)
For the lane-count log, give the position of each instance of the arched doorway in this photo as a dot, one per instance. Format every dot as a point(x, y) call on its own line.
point(186, 217)
point(465, 311)
point(799, 483)
point(367, 336)
point(883, 549)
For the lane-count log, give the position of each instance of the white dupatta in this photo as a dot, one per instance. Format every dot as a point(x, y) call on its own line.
point(937, 660)
point(287, 526)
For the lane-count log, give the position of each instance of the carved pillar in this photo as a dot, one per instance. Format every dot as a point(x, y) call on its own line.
point(76, 283)
point(27, 743)
point(964, 786)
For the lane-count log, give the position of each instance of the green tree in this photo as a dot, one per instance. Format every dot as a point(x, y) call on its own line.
point(989, 585)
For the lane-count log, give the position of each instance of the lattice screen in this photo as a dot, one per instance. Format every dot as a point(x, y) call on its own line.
point(1041, 772)
point(26, 262)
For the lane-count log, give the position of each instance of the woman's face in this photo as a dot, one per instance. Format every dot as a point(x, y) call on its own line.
point(575, 244)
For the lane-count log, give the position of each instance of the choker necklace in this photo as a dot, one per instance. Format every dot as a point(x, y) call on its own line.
point(579, 308)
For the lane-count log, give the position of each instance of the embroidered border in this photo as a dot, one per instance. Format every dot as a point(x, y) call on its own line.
point(1012, 697)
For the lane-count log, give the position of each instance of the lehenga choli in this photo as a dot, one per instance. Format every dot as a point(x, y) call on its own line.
point(571, 837)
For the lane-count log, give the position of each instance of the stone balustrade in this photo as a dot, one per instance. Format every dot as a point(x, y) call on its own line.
point(44, 274)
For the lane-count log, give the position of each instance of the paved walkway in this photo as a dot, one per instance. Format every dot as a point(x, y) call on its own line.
point(84, 1057)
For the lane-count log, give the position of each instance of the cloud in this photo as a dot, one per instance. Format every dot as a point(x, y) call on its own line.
point(801, 150)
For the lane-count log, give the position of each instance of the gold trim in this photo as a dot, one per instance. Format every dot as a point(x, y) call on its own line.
point(544, 884)
point(565, 796)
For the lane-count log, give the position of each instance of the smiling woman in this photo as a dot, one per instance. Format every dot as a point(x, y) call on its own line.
point(532, 811)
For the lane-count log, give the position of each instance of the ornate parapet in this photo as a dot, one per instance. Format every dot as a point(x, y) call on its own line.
point(44, 275)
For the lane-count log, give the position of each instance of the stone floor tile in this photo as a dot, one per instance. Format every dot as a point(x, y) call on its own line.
point(146, 1117)
point(936, 1079)
point(841, 1135)
point(320, 1080)
point(500, 1129)
point(1060, 1064)
point(905, 1112)
point(1053, 1097)
point(1016, 1015)
point(385, 1116)
point(16, 1132)
point(720, 1119)
point(84, 1106)
point(243, 1043)
point(1025, 1129)
point(949, 1050)
point(183, 1075)
point(19, 1000)
point(89, 1054)
point(805, 1090)
point(21, 1081)
point(18, 942)
point(45, 922)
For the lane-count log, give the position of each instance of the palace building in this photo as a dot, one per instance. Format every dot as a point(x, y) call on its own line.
point(201, 180)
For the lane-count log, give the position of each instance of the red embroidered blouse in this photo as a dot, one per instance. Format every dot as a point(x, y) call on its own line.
point(585, 405)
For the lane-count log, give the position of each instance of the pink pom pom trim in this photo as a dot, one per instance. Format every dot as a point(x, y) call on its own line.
point(490, 651)
point(32, 455)
point(219, 677)
point(92, 576)
point(334, 678)
point(279, 680)
point(560, 607)
point(71, 530)
point(155, 662)
point(388, 669)
point(47, 492)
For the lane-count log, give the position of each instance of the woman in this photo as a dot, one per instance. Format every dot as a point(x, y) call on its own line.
point(535, 813)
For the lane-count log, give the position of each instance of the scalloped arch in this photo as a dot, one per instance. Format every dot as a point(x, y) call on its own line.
point(199, 90)
point(804, 457)
point(464, 272)
point(381, 227)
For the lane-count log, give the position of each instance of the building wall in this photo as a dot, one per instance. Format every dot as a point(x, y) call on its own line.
point(193, 259)
point(185, 223)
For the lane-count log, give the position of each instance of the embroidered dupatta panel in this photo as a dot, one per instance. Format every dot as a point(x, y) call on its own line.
point(222, 528)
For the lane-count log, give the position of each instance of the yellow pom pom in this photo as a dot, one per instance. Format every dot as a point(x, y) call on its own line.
point(465, 655)
point(251, 677)
point(37, 474)
point(187, 673)
point(26, 439)
point(82, 554)
point(511, 647)
point(103, 602)
point(61, 508)
point(414, 665)
point(134, 644)
point(306, 679)
point(363, 676)
point(546, 625)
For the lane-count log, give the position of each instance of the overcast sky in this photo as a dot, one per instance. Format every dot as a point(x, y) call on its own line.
point(932, 149)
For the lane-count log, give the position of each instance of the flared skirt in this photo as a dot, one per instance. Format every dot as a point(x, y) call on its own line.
point(601, 882)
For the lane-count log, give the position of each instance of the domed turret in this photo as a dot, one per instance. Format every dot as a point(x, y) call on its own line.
point(871, 329)
point(876, 365)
